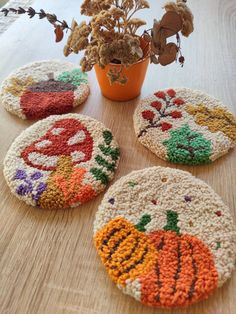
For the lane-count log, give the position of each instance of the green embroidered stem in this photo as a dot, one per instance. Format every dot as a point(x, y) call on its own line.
point(145, 219)
point(102, 162)
point(108, 151)
point(100, 175)
point(172, 221)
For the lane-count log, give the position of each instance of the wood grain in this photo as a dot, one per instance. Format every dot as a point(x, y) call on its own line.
point(48, 262)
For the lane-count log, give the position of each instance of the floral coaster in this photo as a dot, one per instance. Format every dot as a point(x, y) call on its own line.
point(61, 161)
point(43, 88)
point(185, 126)
point(165, 237)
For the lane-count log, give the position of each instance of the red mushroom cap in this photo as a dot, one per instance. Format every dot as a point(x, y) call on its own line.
point(68, 137)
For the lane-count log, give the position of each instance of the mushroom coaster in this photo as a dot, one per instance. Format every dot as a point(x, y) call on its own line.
point(185, 126)
point(44, 88)
point(61, 161)
point(165, 237)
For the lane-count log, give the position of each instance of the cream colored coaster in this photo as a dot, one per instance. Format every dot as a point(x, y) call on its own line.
point(185, 126)
point(165, 237)
point(43, 88)
point(62, 161)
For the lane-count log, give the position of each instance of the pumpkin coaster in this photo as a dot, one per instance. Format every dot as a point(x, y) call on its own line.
point(43, 88)
point(185, 126)
point(62, 161)
point(165, 237)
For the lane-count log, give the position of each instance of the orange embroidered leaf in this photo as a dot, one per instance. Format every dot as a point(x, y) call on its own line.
point(73, 189)
point(216, 119)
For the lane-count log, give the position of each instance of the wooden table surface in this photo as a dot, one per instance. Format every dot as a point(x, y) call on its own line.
point(48, 262)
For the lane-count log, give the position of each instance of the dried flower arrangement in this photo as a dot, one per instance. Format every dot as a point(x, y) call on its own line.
point(111, 35)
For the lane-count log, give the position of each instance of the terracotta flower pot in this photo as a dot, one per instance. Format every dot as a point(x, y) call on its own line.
point(134, 73)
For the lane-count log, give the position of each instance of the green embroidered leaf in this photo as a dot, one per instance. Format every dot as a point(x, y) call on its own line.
point(108, 151)
point(107, 135)
point(172, 221)
point(188, 147)
point(75, 77)
point(99, 175)
point(132, 184)
point(102, 162)
point(145, 219)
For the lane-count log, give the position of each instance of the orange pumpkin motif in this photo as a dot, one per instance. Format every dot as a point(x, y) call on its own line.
point(184, 271)
point(173, 270)
point(125, 251)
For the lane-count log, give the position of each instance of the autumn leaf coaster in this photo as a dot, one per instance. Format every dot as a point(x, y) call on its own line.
point(165, 237)
point(43, 88)
point(61, 161)
point(185, 126)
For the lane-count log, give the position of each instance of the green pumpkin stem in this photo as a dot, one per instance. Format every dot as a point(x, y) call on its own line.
point(145, 219)
point(172, 221)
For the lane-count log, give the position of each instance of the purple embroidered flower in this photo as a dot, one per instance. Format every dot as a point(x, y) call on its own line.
point(39, 190)
point(187, 198)
point(36, 175)
point(111, 201)
point(24, 189)
point(29, 186)
point(20, 175)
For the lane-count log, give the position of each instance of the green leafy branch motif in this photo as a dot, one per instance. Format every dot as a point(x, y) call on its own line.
point(104, 166)
point(188, 147)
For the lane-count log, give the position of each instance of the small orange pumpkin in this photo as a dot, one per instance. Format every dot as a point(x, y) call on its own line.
point(125, 251)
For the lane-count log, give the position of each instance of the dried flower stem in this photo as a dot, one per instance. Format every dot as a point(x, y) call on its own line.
point(52, 18)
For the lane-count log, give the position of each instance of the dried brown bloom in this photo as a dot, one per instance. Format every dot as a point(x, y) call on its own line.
point(134, 24)
point(128, 4)
point(90, 56)
point(144, 4)
point(93, 7)
point(78, 39)
point(117, 12)
point(127, 51)
point(103, 26)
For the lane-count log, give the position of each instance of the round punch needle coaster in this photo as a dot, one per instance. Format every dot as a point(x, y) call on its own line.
point(61, 161)
point(165, 237)
point(44, 88)
point(185, 126)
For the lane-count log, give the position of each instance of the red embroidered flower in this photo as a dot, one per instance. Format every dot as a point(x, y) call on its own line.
point(156, 104)
point(171, 93)
point(148, 115)
point(165, 126)
point(176, 114)
point(160, 94)
point(218, 213)
point(178, 101)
